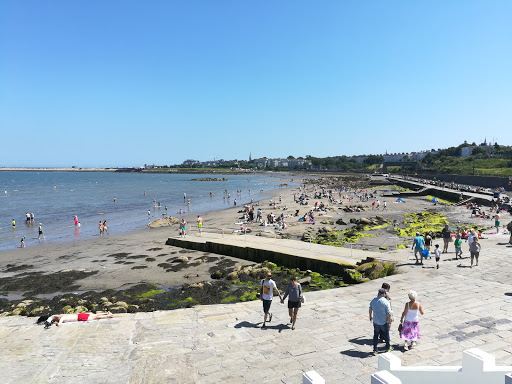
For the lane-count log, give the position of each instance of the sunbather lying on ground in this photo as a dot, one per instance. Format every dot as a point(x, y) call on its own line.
point(59, 319)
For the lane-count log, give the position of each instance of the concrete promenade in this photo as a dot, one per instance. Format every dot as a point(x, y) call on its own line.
point(464, 308)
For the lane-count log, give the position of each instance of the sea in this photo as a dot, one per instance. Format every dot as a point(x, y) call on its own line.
point(55, 198)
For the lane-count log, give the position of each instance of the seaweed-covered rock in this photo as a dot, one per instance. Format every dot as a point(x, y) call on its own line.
point(164, 222)
point(232, 276)
point(117, 310)
point(132, 308)
point(122, 304)
point(352, 276)
point(216, 275)
point(341, 222)
point(376, 269)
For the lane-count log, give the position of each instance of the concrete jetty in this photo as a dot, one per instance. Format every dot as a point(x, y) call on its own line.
point(441, 192)
point(289, 253)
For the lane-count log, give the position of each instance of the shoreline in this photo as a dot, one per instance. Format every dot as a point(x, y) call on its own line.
point(216, 171)
point(127, 216)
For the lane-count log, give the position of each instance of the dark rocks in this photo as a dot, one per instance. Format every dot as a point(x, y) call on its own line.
point(216, 275)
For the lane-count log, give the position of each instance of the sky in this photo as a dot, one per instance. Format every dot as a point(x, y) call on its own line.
point(125, 83)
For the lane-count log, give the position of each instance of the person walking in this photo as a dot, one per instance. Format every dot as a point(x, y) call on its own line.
point(183, 227)
point(447, 237)
point(199, 223)
point(497, 222)
point(294, 294)
point(471, 236)
point(380, 315)
point(458, 247)
point(474, 250)
point(418, 246)
point(438, 255)
point(267, 288)
point(410, 320)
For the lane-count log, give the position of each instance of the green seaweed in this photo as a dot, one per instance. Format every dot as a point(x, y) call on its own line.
point(440, 201)
point(149, 294)
point(249, 296)
point(229, 299)
point(422, 222)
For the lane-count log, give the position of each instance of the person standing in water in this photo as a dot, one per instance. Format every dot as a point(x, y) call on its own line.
point(40, 230)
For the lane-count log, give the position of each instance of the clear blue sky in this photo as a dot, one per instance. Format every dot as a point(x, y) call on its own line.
point(123, 83)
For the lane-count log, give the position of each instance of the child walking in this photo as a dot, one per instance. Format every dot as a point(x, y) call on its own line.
point(458, 247)
point(438, 255)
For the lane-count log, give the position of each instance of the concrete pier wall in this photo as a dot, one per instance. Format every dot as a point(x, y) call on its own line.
point(259, 255)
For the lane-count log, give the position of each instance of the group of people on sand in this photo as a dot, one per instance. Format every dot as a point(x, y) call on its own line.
point(381, 315)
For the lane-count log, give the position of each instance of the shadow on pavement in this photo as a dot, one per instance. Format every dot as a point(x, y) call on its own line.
point(246, 324)
point(463, 266)
point(356, 354)
point(279, 327)
point(360, 341)
point(405, 264)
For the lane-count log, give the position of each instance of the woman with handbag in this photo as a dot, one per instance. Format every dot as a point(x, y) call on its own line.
point(409, 323)
point(295, 298)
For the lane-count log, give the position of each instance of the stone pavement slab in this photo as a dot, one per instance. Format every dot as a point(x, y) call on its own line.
point(464, 308)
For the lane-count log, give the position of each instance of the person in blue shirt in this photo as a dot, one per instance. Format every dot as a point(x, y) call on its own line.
point(380, 315)
point(418, 246)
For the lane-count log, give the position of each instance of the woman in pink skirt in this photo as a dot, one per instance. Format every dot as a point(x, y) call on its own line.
point(410, 319)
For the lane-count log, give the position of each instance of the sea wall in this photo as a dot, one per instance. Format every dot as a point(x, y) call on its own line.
point(259, 255)
point(482, 181)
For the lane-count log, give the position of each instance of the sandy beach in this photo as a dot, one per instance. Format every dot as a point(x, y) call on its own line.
point(141, 261)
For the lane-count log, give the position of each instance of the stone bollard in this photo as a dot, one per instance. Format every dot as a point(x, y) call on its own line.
point(312, 377)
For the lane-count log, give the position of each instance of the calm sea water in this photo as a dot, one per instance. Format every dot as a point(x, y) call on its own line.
point(56, 197)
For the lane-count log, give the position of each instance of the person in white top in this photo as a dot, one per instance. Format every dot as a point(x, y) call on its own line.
point(410, 319)
point(471, 235)
point(266, 294)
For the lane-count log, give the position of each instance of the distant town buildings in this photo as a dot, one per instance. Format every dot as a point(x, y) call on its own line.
point(464, 150)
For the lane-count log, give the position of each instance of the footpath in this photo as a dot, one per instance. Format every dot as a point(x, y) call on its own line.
point(464, 308)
